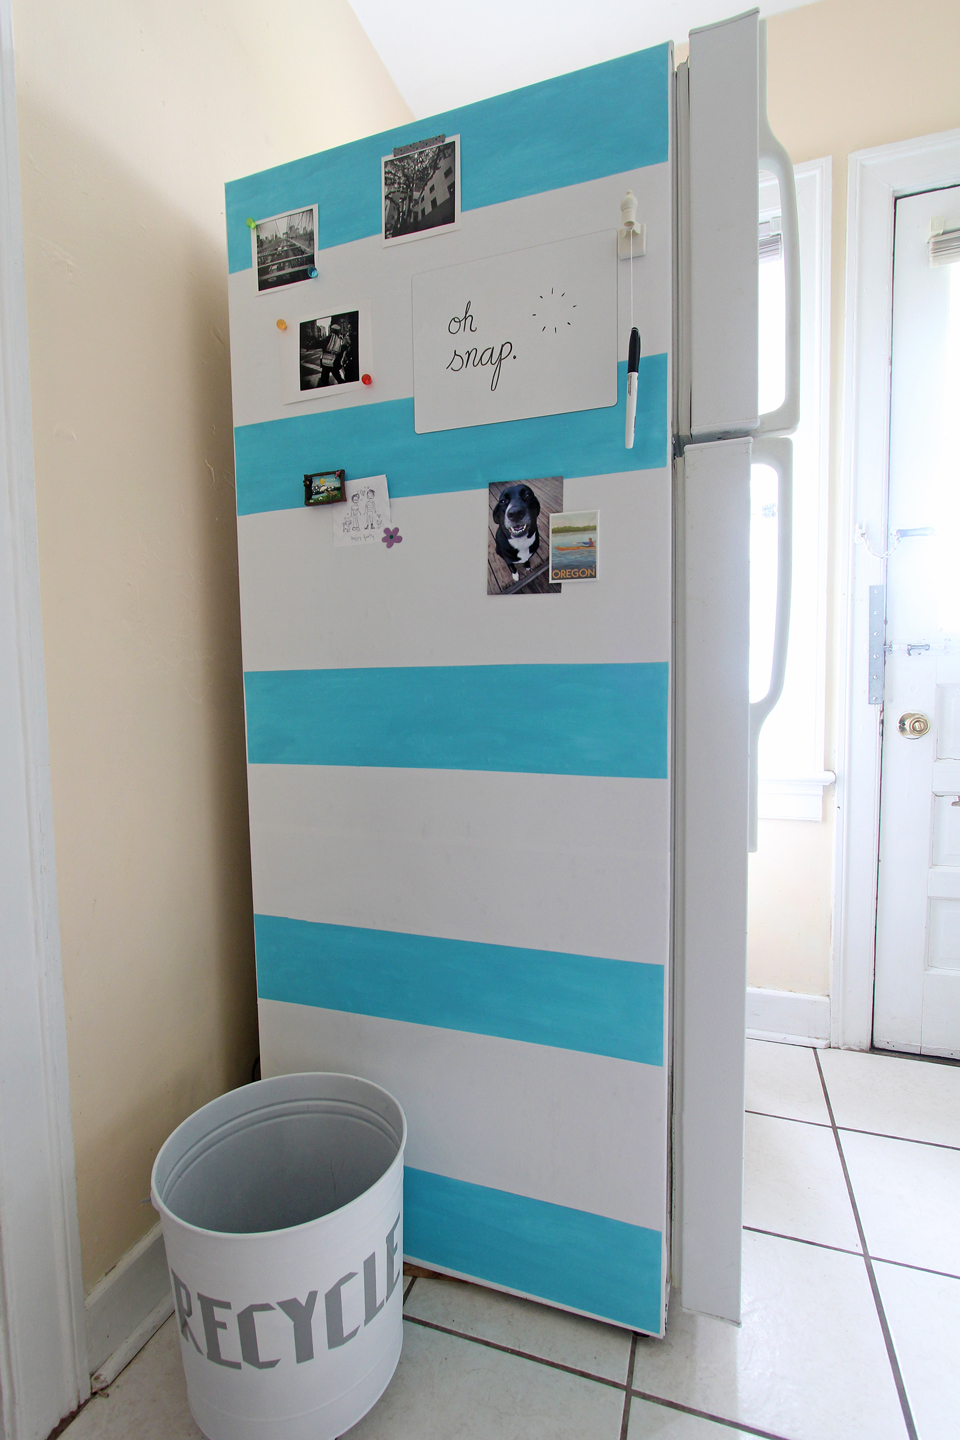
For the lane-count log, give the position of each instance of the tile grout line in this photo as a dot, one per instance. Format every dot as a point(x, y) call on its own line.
point(631, 1362)
point(630, 1391)
point(628, 1388)
point(871, 1275)
point(911, 1055)
point(406, 1293)
point(903, 1139)
point(841, 1250)
point(518, 1354)
point(741, 1426)
point(924, 1269)
point(799, 1240)
point(794, 1119)
point(853, 1130)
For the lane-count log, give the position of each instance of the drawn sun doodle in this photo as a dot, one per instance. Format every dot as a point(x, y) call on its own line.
point(555, 312)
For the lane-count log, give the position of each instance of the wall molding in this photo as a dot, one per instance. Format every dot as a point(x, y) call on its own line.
point(126, 1308)
point(875, 180)
point(790, 1018)
point(797, 799)
point(43, 1362)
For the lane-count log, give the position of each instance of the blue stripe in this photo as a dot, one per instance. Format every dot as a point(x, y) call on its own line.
point(601, 121)
point(571, 1257)
point(533, 719)
point(273, 457)
point(543, 997)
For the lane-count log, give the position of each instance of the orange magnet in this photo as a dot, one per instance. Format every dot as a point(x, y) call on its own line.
point(281, 324)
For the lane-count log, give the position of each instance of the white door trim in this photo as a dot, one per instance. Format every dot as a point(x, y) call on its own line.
point(43, 1362)
point(875, 179)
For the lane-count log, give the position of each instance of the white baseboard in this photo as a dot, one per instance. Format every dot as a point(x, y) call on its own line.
point(785, 1016)
point(128, 1305)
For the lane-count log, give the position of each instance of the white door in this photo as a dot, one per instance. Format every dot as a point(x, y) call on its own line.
point(917, 982)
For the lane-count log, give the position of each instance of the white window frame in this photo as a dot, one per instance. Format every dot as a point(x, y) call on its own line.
point(876, 179)
point(792, 785)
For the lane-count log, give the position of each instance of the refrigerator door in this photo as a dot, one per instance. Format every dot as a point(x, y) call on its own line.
point(712, 748)
point(724, 143)
point(716, 819)
point(721, 232)
point(460, 797)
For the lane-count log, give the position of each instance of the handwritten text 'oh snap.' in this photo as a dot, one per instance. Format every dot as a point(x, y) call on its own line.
point(474, 358)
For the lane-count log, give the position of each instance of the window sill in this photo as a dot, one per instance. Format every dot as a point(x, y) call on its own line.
point(800, 798)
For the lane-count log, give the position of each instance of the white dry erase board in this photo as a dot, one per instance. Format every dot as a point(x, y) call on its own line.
point(533, 332)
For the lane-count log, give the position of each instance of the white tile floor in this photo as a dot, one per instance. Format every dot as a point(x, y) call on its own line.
point(851, 1313)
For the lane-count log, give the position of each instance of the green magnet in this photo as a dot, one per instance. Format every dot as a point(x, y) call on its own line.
point(251, 223)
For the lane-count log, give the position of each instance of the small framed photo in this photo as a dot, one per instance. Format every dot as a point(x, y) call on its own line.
point(575, 545)
point(285, 248)
point(421, 190)
point(323, 354)
point(327, 487)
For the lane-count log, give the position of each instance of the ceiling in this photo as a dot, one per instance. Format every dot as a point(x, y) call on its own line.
point(443, 53)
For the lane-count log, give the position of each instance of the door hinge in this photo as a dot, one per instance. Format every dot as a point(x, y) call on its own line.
point(876, 645)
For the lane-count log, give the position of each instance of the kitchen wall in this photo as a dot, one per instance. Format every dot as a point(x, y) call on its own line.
point(843, 75)
point(132, 114)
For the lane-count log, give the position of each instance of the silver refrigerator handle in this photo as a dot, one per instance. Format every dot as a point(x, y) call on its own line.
point(773, 157)
point(777, 452)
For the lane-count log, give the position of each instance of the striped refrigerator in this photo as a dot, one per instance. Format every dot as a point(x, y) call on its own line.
point(495, 656)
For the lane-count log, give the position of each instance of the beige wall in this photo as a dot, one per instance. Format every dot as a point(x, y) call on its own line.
point(132, 114)
point(843, 75)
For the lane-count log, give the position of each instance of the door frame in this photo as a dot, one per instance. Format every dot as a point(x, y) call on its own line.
point(876, 178)
point(43, 1355)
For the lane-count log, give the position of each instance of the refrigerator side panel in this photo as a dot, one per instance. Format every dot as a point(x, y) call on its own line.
point(722, 234)
point(711, 892)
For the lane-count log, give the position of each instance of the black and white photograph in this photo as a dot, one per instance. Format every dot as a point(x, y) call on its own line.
point(286, 248)
point(421, 190)
point(330, 351)
point(518, 535)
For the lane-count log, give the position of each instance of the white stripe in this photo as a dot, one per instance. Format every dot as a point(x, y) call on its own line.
point(307, 606)
point(573, 863)
point(556, 1125)
point(366, 271)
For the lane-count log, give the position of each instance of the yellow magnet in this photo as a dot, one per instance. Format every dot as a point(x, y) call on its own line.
point(281, 324)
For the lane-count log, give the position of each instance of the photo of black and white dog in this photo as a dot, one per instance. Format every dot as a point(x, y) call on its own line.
point(518, 535)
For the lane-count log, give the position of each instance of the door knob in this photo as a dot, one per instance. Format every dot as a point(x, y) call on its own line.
point(913, 725)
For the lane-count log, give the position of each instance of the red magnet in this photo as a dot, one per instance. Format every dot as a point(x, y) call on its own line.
point(367, 379)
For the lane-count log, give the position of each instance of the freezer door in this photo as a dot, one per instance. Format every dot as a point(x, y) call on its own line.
point(724, 142)
point(719, 251)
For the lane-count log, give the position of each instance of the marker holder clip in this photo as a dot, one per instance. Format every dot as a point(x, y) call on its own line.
point(630, 232)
